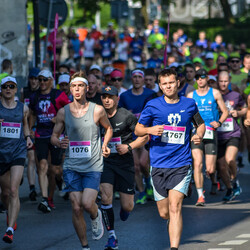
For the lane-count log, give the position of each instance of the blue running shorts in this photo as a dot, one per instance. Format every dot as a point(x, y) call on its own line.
point(165, 179)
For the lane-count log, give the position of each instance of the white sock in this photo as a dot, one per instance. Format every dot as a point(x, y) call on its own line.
point(11, 229)
point(112, 233)
point(200, 192)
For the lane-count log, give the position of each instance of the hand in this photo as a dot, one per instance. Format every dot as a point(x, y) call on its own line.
point(234, 113)
point(196, 139)
point(215, 124)
point(105, 151)
point(122, 149)
point(29, 143)
point(247, 122)
point(1, 120)
point(157, 130)
point(64, 143)
point(32, 134)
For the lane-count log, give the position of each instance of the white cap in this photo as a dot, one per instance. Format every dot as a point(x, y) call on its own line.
point(95, 66)
point(63, 78)
point(174, 64)
point(211, 77)
point(108, 70)
point(45, 73)
point(209, 55)
point(8, 79)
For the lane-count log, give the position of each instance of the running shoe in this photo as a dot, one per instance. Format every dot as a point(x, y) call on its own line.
point(7, 222)
point(237, 190)
point(200, 202)
point(150, 193)
point(8, 237)
point(124, 215)
point(142, 199)
point(213, 189)
point(44, 207)
point(111, 244)
point(97, 227)
point(86, 248)
point(229, 195)
point(33, 195)
point(51, 203)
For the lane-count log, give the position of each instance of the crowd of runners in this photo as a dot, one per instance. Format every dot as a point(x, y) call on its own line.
point(115, 122)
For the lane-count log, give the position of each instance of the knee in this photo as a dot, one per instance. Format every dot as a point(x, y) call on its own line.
point(5, 194)
point(164, 214)
point(87, 206)
point(77, 210)
point(128, 207)
point(14, 192)
point(43, 167)
point(175, 208)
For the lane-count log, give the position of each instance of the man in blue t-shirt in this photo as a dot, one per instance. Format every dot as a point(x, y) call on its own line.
point(168, 119)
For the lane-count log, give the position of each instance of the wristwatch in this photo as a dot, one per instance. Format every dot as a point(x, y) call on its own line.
point(129, 148)
point(220, 123)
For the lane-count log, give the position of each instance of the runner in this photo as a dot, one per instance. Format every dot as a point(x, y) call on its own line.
point(117, 79)
point(43, 106)
point(168, 120)
point(63, 82)
point(229, 137)
point(208, 100)
point(83, 163)
point(118, 173)
point(133, 100)
point(33, 85)
point(14, 132)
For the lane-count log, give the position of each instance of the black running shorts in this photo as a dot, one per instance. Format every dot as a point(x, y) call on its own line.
point(5, 167)
point(223, 144)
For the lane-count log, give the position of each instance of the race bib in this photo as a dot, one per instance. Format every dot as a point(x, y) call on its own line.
point(80, 149)
point(209, 134)
point(106, 52)
point(10, 130)
point(27, 101)
point(227, 125)
point(113, 142)
point(174, 135)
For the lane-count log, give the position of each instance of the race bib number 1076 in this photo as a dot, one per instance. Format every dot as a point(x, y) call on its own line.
point(80, 149)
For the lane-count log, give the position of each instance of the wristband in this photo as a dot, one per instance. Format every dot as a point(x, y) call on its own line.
point(220, 123)
point(27, 137)
point(129, 148)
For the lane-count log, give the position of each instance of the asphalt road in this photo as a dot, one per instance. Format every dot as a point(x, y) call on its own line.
point(216, 226)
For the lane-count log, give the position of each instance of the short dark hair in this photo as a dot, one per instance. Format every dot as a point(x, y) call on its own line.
point(64, 66)
point(189, 65)
point(167, 72)
point(6, 64)
point(149, 72)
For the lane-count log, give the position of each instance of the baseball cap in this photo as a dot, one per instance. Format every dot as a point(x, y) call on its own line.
point(95, 66)
point(110, 90)
point(108, 70)
point(197, 60)
point(234, 55)
point(116, 73)
point(209, 55)
point(174, 64)
point(8, 79)
point(34, 72)
point(211, 77)
point(45, 73)
point(200, 72)
point(93, 26)
point(63, 78)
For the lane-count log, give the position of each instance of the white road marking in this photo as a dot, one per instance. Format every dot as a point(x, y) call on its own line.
point(243, 236)
point(219, 248)
point(233, 242)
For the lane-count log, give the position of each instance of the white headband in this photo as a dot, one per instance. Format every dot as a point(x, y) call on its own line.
point(79, 79)
point(138, 72)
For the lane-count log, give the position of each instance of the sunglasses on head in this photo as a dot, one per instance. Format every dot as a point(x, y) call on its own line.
point(235, 61)
point(43, 79)
point(200, 76)
point(10, 86)
point(116, 79)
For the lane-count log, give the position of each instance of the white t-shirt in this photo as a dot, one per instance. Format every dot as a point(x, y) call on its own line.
point(89, 47)
point(122, 50)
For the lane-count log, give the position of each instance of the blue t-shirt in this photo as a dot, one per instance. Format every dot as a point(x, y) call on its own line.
point(134, 103)
point(136, 47)
point(177, 119)
point(154, 63)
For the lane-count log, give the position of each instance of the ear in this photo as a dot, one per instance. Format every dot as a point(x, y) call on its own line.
point(178, 83)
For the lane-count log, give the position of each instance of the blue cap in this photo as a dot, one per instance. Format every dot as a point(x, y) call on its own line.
point(34, 72)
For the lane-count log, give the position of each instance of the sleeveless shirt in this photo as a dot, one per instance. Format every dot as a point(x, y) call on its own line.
point(13, 145)
point(84, 153)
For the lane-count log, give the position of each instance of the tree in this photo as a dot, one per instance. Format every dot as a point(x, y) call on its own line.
point(228, 16)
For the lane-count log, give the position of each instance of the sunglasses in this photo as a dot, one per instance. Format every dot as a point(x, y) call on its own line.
point(11, 86)
point(43, 79)
point(197, 77)
point(116, 79)
point(235, 61)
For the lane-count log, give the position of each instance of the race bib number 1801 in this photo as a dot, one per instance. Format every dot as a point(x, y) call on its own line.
point(80, 149)
point(174, 135)
point(10, 130)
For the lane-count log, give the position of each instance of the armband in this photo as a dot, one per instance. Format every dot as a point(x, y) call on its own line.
point(197, 120)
